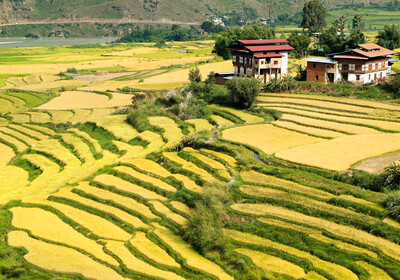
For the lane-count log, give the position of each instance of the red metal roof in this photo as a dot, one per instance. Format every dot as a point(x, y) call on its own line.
point(263, 42)
point(269, 48)
point(371, 54)
point(268, 55)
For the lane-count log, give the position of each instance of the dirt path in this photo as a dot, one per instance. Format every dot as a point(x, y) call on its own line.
point(377, 165)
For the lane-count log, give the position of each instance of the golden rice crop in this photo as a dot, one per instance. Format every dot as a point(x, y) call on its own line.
point(317, 103)
point(335, 271)
point(48, 226)
point(330, 154)
point(60, 259)
point(363, 202)
point(164, 210)
point(80, 147)
point(374, 272)
point(306, 202)
point(172, 133)
point(71, 100)
point(154, 139)
point(87, 137)
point(227, 158)
point(222, 170)
point(312, 275)
point(392, 223)
point(308, 129)
point(192, 258)
point(118, 213)
point(18, 103)
point(146, 165)
point(50, 170)
point(20, 118)
point(32, 79)
point(60, 116)
point(18, 144)
point(137, 265)
point(117, 125)
point(341, 127)
point(6, 154)
point(181, 207)
point(16, 81)
point(41, 129)
point(80, 116)
point(97, 225)
point(387, 125)
point(151, 250)
point(388, 248)
point(316, 234)
point(267, 137)
point(58, 151)
point(44, 86)
point(6, 106)
point(188, 183)
point(189, 166)
point(129, 150)
point(145, 178)
point(127, 202)
point(28, 131)
point(259, 178)
point(49, 78)
point(246, 117)
point(200, 124)
point(126, 186)
point(272, 264)
point(3, 121)
point(221, 122)
point(11, 178)
point(100, 112)
point(28, 140)
point(39, 117)
point(350, 101)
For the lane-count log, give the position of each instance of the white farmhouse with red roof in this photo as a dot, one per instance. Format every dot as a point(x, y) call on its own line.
point(264, 59)
point(366, 64)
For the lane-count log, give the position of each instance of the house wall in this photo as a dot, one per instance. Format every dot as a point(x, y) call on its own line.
point(317, 69)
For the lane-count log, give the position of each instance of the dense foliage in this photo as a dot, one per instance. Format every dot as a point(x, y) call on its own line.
point(313, 16)
point(243, 91)
point(389, 37)
point(194, 75)
point(393, 204)
point(299, 41)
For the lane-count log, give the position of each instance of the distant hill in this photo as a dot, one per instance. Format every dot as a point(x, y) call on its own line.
point(184, 11)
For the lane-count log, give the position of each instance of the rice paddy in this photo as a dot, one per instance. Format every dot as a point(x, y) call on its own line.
point(94, 198)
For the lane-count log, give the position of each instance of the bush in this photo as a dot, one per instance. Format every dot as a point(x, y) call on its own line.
point(72, 70)
point(205, 231)
point(393, 177)
point(243, 91)
point(194, 75)
point(393, 86)
point(279, 85)
point(393, 204)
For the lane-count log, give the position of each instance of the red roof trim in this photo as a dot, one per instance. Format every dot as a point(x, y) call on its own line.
point(260, 42)
point(268, 55)
point(238, 49)
point(350, 57)
point(269, 48)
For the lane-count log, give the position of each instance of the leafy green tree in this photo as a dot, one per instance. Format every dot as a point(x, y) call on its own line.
point(357, 22)
point(393, 204)
point(207, 26)
point(314, 15)
point(389, 37)
point(356, 37)
point(300, 42)
point(194, 75)
point(340, 23)
point(243, 91)
point(330, 41)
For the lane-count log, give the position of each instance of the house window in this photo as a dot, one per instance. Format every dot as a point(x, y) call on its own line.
point(234, 58)
point(357, 77)
point(314, 66)
point(340, 66)
point(352, 67)
point(369, 77)
point(380, 65)
point(275, 62)
point(363, 67)
point(316, 77)
point(262, 61)
point(373, 66)
point(386, 64)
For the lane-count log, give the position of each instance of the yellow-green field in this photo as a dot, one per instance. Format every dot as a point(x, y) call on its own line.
point(86, 195)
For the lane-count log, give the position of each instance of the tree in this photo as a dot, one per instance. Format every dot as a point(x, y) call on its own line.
point(357, 22)
point(313, 16)
point(194, 75)
point(300, 42)
point(340, 23)
point(243, 91)
point(389, 37)
point(207, 26)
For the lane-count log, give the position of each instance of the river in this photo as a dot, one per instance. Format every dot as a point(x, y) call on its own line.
point(49, 42)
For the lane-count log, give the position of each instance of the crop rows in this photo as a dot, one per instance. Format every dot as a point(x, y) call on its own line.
point(200, 124)
point(245, 117)
point(172, 133)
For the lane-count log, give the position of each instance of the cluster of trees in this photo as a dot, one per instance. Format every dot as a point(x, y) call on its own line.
point(254, 32)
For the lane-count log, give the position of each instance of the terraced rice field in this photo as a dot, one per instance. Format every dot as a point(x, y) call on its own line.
point(94, 198)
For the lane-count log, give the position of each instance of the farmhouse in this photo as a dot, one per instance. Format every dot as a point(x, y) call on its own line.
point(366, 64)
point(264, 59)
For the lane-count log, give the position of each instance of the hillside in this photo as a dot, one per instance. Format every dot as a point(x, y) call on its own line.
point(12, 11)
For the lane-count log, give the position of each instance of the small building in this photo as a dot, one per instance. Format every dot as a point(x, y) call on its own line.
point(366, 64)
point(222, 78)
point(322, 70)
point(263, 59)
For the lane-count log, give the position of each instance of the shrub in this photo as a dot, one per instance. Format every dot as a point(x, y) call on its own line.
point(393, 178)
point(243, 91)
point(194, 75)
point(205, 231)
point(72, 70)
point(279, 85)
point(393, 204)
point(393, 86)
